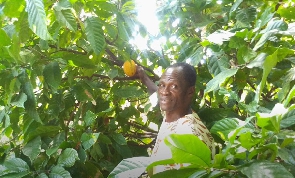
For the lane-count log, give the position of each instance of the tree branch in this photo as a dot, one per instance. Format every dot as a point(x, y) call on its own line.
point(68, 50)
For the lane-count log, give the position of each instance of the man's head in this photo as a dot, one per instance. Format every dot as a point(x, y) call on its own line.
point(188, 72)
point(176, 88)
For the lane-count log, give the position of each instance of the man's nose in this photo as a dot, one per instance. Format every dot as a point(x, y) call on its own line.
point(165, 90)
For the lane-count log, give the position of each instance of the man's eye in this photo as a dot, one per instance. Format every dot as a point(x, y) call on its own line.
point(173, 86)
point(160, 85)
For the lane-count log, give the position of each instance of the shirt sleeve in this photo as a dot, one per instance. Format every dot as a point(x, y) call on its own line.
point(193, 125)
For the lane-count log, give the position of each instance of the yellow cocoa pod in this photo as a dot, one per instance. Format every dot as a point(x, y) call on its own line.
point(129, 68)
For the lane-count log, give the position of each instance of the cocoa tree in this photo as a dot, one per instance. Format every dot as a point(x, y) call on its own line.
point(67, 109)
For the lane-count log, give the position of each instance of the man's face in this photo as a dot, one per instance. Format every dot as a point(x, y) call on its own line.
point(174, 95)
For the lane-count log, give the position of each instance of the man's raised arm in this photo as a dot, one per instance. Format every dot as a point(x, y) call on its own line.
point(144, 78)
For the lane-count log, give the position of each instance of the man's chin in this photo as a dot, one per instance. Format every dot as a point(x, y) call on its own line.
point(164, 108)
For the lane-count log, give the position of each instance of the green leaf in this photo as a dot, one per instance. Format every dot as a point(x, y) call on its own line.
point(263, 39)
point(58, 139)
point(122, 150)
point(65, 17)
point(264, 19)
point(218, 63)
point(58, 172)
point(42, 175)
point(96, 152)
point(33, 148)
point(247, 140)
point(37, 18)
point(80, 60)
point(30, 104)
point(219, 79)
point(183, 148)
point(220, 36)
point(127, 91)
point(287, 13)
point(113, 73)
point(19, 100)
point(235, 6)
point(290, 96)
point(52, 75)
point(119, 138)
point(17, 165)
point(88, 139)
point(13, 8)
point(277, 24)
point(246, 15)
point(48, 131)
point(5, 40)
point(245, 54)
point(95, 34)
point(181, 173)
point(224, 127)
point(89, 118)
point(68, 157)
point(288, 119)
point(287, 156)
point(269, 63)
point(130, 167)
point(258, 61)
point(262, 169)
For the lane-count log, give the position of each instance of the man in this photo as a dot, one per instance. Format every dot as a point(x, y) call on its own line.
point(175, 92)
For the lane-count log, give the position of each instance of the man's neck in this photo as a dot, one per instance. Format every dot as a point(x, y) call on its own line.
point(172, 116)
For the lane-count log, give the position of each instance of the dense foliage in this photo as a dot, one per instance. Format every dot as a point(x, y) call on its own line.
point(68, 110)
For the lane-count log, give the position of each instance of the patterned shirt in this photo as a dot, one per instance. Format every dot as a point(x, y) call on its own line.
point(189, 124)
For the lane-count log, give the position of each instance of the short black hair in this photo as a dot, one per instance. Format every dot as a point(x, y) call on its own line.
point(189, 72)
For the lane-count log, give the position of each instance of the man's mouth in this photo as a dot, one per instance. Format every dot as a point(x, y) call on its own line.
point(165, 100)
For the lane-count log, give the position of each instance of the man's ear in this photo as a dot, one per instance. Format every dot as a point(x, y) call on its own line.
point(191, 90)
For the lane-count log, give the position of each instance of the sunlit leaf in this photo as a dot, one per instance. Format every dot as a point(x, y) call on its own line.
point(130, 167)
point(269, 63)
point(220, 36)
point(264, 19)
point(286, 13)
point(224, 127)
point(13, 8)
point(219, 79)
point(64, 15)
point(183, 148)
point(187, 172)
point(37, 18)
point(258, 61)
point(5, 40)
point(275, 23)
point(290, 96)
point(95, 34)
